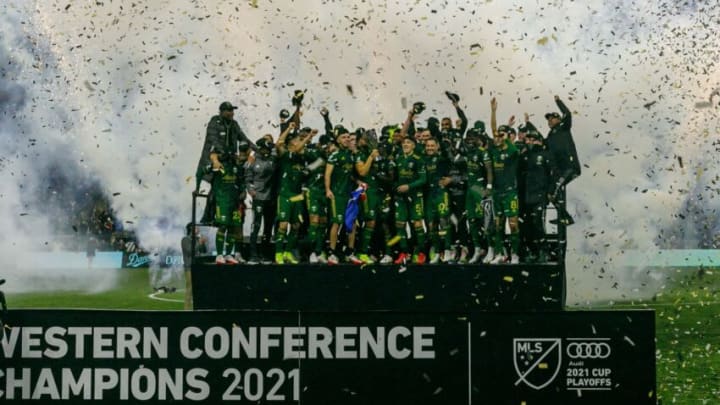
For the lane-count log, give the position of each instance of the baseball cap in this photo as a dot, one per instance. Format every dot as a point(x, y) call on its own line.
point(340, 130)
point(479, 125)
point(534, 135)
point(227, 106)
point(506, 129)
point(552, 115)
point(284, 114)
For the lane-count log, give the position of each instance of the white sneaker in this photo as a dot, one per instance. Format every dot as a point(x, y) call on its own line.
point(449, 256)
point(314, 258)
point(499, 259)
point(463, 254)
point(333, 260)
point(230, 260)
point(220, 259)
point(489, 256)
point(322, 258)
point(239, 258)
point(514, 259)
point(476, 257)
point(387, 259)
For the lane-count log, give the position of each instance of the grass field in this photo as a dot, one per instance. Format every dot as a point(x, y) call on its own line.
point(687, 319)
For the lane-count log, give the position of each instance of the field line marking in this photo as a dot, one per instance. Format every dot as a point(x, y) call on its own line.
point(154, 296)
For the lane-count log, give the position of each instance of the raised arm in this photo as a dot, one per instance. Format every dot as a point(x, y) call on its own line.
point(281, 147)
point(493, 118)
point(463, 118)
point(363, 168)
point(326, 117)
point(406, 125)
point(566, 115)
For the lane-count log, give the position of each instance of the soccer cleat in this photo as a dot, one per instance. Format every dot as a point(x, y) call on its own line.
point(314, 258)
point(290, 258)
point(463, 254)
point(489, 256)
point(419, 258)
point(434, 259)
point(220, 259)
point(366, 259)
point(332, 260)
point(253, 261)
point(402, 258)
point(499, 259)
point(514, 259)
point(477, 256)
point(354, 260)
point(239, 258)
point(230, 260)
point(387, 259)
point(449, 256)
point(322, 258)
point(279, 259)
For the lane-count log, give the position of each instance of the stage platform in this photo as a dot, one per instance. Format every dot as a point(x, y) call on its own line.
point(348, 288)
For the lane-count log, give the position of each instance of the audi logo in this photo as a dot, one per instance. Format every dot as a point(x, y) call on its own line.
point(588, 350)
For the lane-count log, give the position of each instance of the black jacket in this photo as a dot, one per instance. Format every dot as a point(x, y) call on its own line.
point(536, 176)
point(222, 137)
point(561, 145)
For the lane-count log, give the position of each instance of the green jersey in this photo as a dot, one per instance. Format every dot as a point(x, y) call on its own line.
point(315, 160)
point(477, 161)
point(505, 167)
point(437, 167)
point(343, 165)
point(291, 173)
point(371, 178)
point(411, 171)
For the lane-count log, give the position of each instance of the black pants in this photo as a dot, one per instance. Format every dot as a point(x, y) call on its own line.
point(264, 213)
point(457, 208)
point(533, 228)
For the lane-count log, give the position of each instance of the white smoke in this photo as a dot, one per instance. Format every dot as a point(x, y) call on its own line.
point(127, 88)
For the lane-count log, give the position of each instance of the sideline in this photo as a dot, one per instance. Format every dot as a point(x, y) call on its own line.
point(154, 296)
point(646, 305)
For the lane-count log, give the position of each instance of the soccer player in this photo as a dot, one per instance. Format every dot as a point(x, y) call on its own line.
point(228, 211)
point(480, 184)
point(317, 203)
point(367, 166)
point(505, 159)
point(437, 201)
point(291, 164)
point(411, 177)
point(338, 185)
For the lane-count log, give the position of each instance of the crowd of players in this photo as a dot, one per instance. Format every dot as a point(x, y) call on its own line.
point(436, 193)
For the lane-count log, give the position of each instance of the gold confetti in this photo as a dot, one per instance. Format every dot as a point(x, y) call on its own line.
point(509, 279)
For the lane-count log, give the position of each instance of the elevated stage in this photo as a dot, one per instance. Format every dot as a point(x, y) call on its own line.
point(348, 288)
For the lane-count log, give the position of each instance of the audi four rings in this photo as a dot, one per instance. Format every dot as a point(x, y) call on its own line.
point(588, 350)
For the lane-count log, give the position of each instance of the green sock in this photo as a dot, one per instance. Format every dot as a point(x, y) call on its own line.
point(292, 239)
point(435, 240)
point(280, 241)
point(420, 235)
point(366, 238)
point(403, 238)
point(515, 242)
point(313, 233)
point(475, 232)
point(498, 242)
point(320, 240)
point(229, 242)
point(220, 242)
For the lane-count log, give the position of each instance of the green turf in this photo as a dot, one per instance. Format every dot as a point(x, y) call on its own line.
point(687, 316)
point(132, 293)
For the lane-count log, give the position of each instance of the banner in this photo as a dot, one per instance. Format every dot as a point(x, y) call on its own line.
point(72, 356)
